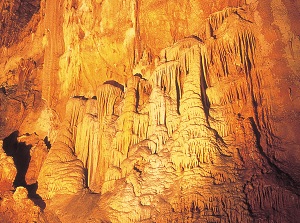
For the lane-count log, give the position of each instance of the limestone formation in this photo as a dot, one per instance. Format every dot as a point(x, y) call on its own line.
point(62, 172)
point(17, 207)
point(151, 111)
point(38, 152)
point(8, 170)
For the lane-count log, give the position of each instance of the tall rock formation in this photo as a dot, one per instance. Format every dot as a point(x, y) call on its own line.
point(170, 112)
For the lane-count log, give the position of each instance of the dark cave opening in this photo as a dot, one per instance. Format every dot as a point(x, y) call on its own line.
point(20, 152)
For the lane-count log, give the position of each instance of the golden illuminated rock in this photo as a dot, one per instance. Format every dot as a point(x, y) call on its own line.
point(152, 111)
point(62, 172)
point(17, 207)
point(37, 153)
point(8, 170)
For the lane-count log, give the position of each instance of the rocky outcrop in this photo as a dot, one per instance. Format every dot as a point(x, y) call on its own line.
point(19, 96)
point(25, 154)
point(15, 15)
point(37, 154)
point(8, 170)
point(21, 69)
point(17, 207)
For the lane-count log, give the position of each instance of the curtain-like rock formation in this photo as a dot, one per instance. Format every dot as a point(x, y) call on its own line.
point(183, 145)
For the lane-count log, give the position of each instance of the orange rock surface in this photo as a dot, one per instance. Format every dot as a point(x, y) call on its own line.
point(150, 111)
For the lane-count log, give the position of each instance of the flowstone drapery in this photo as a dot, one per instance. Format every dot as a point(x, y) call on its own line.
point(181, 145)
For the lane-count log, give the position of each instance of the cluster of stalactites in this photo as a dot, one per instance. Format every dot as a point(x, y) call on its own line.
point(216, 19)
point(80, 141)
point(178, 94)
point(167, 78)
point(231, 74)
point(174, 52)
point(92, 138)
point(197, 64)
point(108, 97)
point(111, 124)
point(173, 103)
point(191, 104)
point(213, 208)
point(67, 136)
point(233, 54)
point(132, 126)
point(87, 141)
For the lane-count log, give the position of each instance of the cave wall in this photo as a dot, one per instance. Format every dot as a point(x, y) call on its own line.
point(189, 112)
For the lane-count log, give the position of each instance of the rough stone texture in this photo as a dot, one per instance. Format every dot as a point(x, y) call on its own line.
point(22, 107)
point(15, 15)
point(23, 158)
point(8, 170)
point(62, 171)
point(172, 111)
point(36, 155)
point(17, 207)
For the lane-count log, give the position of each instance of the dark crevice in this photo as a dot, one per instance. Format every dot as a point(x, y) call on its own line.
point(20, 152)
point(80, 97)
point(196, 37)
point(10, 143)
point(21, 160)
point(138, 75)
point(178, 94)
point(37, 199)
point(47, 142)
point(137, 100)
point(203, 87)
point(242, 18)
point(86, 175)
point(115, 84)
point(137, 170)
point(283, 176)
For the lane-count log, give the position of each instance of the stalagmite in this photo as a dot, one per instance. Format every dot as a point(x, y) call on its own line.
point(62, 171)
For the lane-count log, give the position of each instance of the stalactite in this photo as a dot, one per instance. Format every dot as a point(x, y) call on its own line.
point(144, 91)
point(217, 18)
point(174, 52)
point(174, 129)
point(107, 96)
point(193, 109)
point(87, 147)
point(172, 115)
point(166, 77)
point(157, 113)
point(140, 125)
